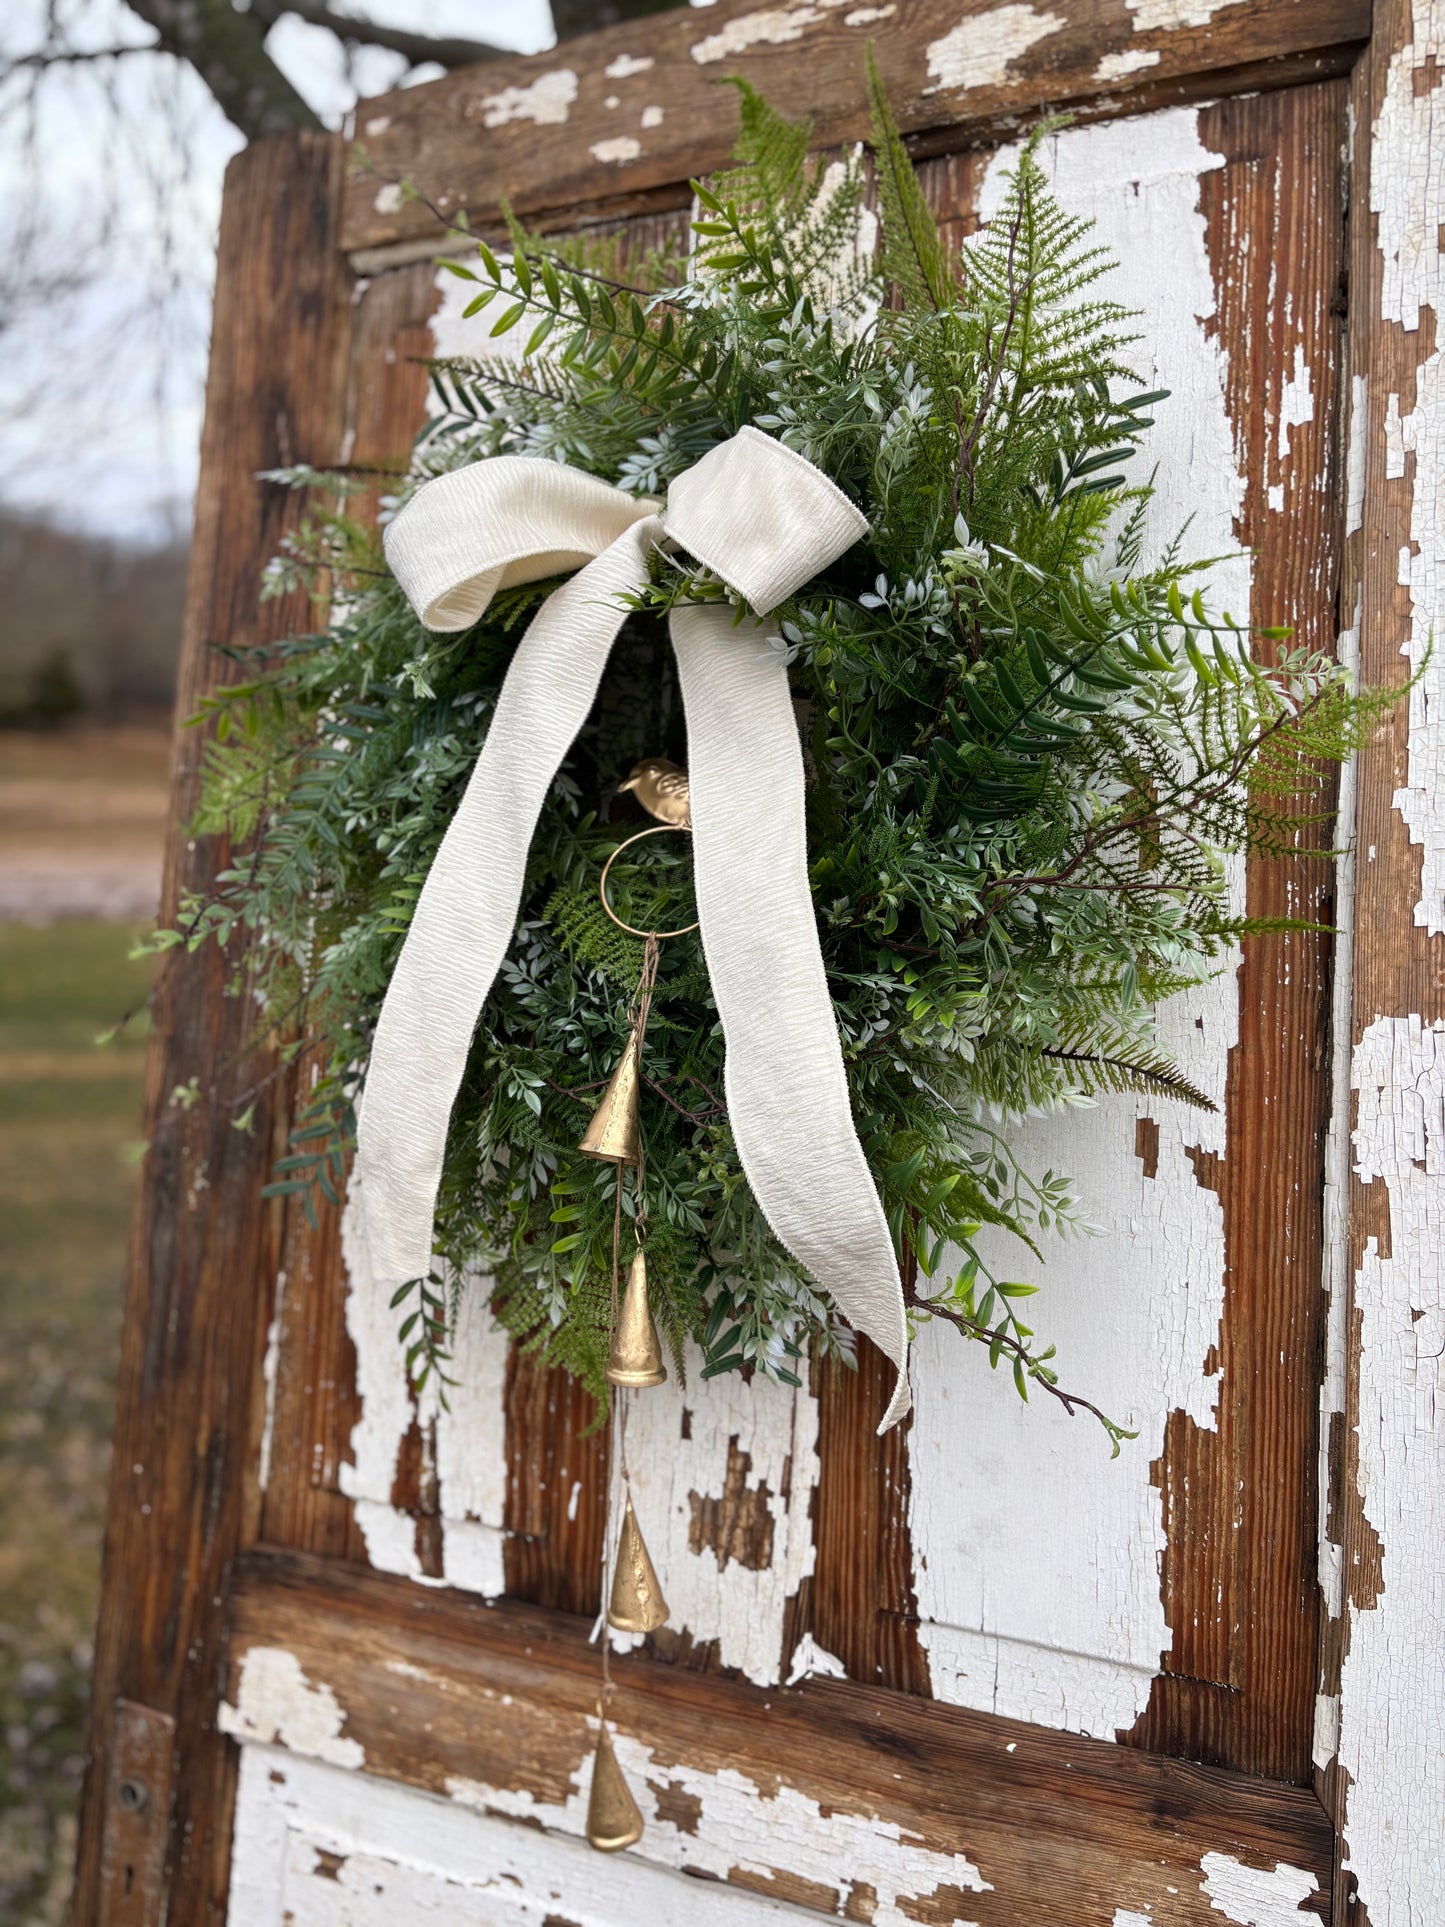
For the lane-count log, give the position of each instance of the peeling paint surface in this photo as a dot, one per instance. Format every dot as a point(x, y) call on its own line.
point(1152, 16)
point(739, 1822)
point(1255, 1897)
point(314, 1847)
point(622, 147)
point(276, 1702)
point(1133, 60)
point(771, 27)
point(467, 1443)
point(1052, 1613)
point(547, 100)
point(1389, 1700)
point(983, 46)
point(723, 1474)
point(1390, 1722)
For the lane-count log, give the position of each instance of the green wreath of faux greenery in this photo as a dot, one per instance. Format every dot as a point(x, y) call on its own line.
point(1030, 751)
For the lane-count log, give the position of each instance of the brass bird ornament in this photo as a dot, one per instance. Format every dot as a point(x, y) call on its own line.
point(661, 788)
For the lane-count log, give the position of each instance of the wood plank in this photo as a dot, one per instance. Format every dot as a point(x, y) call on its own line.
point(313, 1397)
point(1240, 1587)
point(204, 1252)
point(976, 1817)
point(1380, 1656)
point(637, 108)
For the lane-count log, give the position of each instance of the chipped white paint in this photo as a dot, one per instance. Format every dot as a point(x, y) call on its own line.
point(771, 27)
point(652, 117)
point(979, 51)
point(1296, 402)
point(626, 65)
point(317, 1848)
point(1051, 1611)
point(1336, 1199)
point(622, 147)
point(377, 127)
point(1390, 1687)
point(1133, 60)
point(867, 16)
point(812, 1661)
point(679, 1445)
point(276, 1703)
point(465, 1447)
point(1126, 1917)
point(547, 100)
point(389, 198)
point(1256, 1897)
point(1390, 1690)
point(1163, 16)
point(756, 1829)
point(1356, 453)
point(270, 1376)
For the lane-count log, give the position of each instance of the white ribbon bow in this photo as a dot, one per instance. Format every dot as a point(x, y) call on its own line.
point(764, 520)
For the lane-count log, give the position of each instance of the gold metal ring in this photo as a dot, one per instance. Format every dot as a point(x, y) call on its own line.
point(658, 829)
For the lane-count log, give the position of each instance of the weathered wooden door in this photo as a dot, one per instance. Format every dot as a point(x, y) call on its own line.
point(975, 1671)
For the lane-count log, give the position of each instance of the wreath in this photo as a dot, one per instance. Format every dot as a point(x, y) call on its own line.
point(1031, 744)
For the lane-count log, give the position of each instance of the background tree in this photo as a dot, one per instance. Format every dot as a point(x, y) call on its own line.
point(116, 119)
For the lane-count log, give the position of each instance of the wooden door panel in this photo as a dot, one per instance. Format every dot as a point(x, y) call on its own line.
point(847, 1801)
point(414, 1628)
point(1031, 1586)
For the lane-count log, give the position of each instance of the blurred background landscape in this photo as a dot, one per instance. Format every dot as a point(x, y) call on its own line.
point(85, 688)
point(112, 152)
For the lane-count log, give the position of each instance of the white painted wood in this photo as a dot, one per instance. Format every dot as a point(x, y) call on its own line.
point(1051, 1614)
point(679, 1443)
point(319, 1847)
point(1392, 1694)
point(1036, 1556)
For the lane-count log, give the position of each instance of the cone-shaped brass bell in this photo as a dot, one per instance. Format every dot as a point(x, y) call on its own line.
point(614, 1820)
point(613, 1133)
point(637, 1604)
point(635, 1357)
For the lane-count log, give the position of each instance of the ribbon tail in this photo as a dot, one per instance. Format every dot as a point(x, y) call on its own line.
point(467, 912)
point(787, 1090)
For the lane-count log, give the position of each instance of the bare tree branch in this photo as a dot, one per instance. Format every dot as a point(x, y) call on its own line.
point(417, 48)
point(228, 51)
point(573, 17)
point(71, 56)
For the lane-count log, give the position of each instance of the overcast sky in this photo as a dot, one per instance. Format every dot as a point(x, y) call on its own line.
point(110, 185)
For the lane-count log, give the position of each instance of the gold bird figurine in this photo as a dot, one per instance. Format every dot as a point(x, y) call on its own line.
point(661, 788)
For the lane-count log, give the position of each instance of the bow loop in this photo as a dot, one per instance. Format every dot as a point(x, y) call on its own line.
point(762, 517)
point(498, 523)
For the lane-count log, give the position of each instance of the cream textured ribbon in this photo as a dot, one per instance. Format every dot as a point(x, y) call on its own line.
point(764, 520)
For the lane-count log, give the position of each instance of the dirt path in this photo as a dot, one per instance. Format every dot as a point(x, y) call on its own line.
point(82, 824)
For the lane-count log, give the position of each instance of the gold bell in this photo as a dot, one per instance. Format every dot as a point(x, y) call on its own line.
point(614, 1819)
point(613, 1133)
point(635, 1357)
point(637, 1604)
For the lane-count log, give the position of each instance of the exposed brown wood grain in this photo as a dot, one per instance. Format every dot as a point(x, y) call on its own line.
point(859, 1603)
point(1064, 1829)
point(553, 1553)
point(313, 1400)
point(137, 1816)
point(1239, 1573)
point(204, 1249)
point(466, 140)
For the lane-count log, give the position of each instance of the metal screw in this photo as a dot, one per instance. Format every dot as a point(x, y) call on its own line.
point(133, 1795)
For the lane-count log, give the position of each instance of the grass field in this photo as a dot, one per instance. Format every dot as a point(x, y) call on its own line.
point(69, 1121)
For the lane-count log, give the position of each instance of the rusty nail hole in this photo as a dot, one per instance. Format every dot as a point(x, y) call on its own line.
point(133, 1795)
